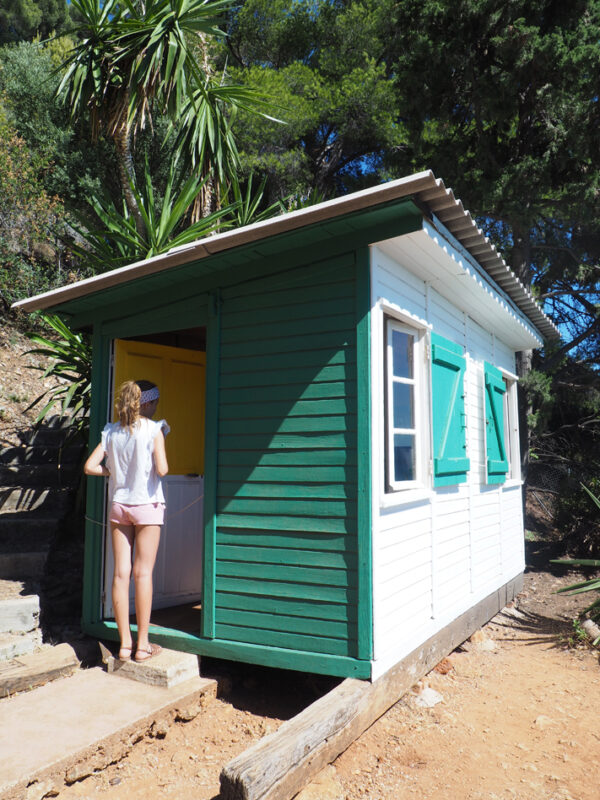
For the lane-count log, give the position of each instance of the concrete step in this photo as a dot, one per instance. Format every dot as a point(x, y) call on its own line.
point(169, 668)
point(61, 732)
point(27, 671)
point(24, 500)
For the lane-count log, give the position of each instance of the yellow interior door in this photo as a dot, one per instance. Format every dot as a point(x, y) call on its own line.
point(180, 375)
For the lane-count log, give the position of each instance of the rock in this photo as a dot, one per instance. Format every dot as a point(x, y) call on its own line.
point(542, 722)
point(325, 786)
point(444, 667)
point(592, 630)
point(160, 728)
point(78, 772)
point(482, 641)
point(428, 698)
point(41, 789)
point(191, 711)
point(478, 637)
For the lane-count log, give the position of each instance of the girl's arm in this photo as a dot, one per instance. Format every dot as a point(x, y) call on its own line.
point(160, 455)
point(93, 466)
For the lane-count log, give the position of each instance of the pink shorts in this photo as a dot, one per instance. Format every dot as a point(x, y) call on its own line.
point(147, 514)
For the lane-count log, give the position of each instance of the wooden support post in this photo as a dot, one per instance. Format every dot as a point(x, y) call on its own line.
point(278, 766)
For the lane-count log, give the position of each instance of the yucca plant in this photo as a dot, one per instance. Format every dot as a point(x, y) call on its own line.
point(590, 585)
point(70, 357)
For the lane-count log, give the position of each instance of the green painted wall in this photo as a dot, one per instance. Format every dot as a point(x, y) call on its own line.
point(286, 541)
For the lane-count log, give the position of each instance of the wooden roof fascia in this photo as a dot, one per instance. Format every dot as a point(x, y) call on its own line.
point(424, 188)
point(247, 262)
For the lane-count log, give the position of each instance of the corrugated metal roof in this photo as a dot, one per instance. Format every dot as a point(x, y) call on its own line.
point(427, 190)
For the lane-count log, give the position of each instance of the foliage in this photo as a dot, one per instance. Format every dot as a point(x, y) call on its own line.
point(29, 219)
point(247, 204)
point(590, 585)
point(537, 386)
point(70, 357)
point(323, 66)
point(499, 99)
point(166, 225)
point(576, 518)
point(133, 60)
point(578, 637)
point(24, 19)
point(72, 166)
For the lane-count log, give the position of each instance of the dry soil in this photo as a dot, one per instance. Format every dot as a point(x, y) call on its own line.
point(516, 718)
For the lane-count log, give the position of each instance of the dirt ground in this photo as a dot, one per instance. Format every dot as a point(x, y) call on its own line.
point(21, 383)
point(516, 717)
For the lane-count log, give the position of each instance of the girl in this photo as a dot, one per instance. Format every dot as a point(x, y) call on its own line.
point(134, 448)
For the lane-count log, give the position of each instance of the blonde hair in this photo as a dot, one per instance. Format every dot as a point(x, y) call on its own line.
point(128, 401)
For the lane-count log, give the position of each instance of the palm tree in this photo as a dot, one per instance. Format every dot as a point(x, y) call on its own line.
point(135, 58)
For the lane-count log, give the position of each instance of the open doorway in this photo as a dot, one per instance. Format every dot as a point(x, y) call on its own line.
point(176, 362)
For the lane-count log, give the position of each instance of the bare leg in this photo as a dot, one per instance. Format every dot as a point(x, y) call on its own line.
point(122, 542)
point(147, 538)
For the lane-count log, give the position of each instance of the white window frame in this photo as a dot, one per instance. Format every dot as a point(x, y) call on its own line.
point(421, 404)
point(511, 427)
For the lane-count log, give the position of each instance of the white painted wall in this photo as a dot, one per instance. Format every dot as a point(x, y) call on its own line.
point(437, 552)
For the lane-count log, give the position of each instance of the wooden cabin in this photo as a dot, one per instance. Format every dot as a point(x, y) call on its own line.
point(340, 382)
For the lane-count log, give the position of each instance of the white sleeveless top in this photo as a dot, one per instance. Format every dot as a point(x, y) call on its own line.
point(130, 460)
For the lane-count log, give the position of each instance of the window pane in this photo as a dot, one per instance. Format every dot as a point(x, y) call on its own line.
point(404, 457)
point(403, 405)
point(402, 349)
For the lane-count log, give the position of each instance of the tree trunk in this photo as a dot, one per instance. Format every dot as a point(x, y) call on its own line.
point(208, 200)
point(127, 177)
point(521, 255)
point(521, 266)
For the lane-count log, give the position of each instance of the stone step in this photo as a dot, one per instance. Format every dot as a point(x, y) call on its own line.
point(15, 645)
point(19, 612)
point(61, 476)
point(54, 430)
point(21, 532)
point(23, 565)
point(25, 545)
point(28, 499)
point(27, 671)
point(28, 455)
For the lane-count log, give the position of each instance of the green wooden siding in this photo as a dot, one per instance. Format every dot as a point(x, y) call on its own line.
point(286, 540)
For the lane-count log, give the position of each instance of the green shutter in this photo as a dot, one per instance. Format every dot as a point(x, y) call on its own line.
point(450, 464)
point(497, 463)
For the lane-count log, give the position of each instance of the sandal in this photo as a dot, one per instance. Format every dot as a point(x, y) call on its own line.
point(147, 652)
point(128, 651)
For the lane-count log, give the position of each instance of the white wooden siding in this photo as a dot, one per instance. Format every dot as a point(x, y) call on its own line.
point(436, 553)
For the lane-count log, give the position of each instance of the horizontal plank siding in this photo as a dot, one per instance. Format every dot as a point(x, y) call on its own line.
point(286, 525)
point(303, 540)
point(288, 607)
